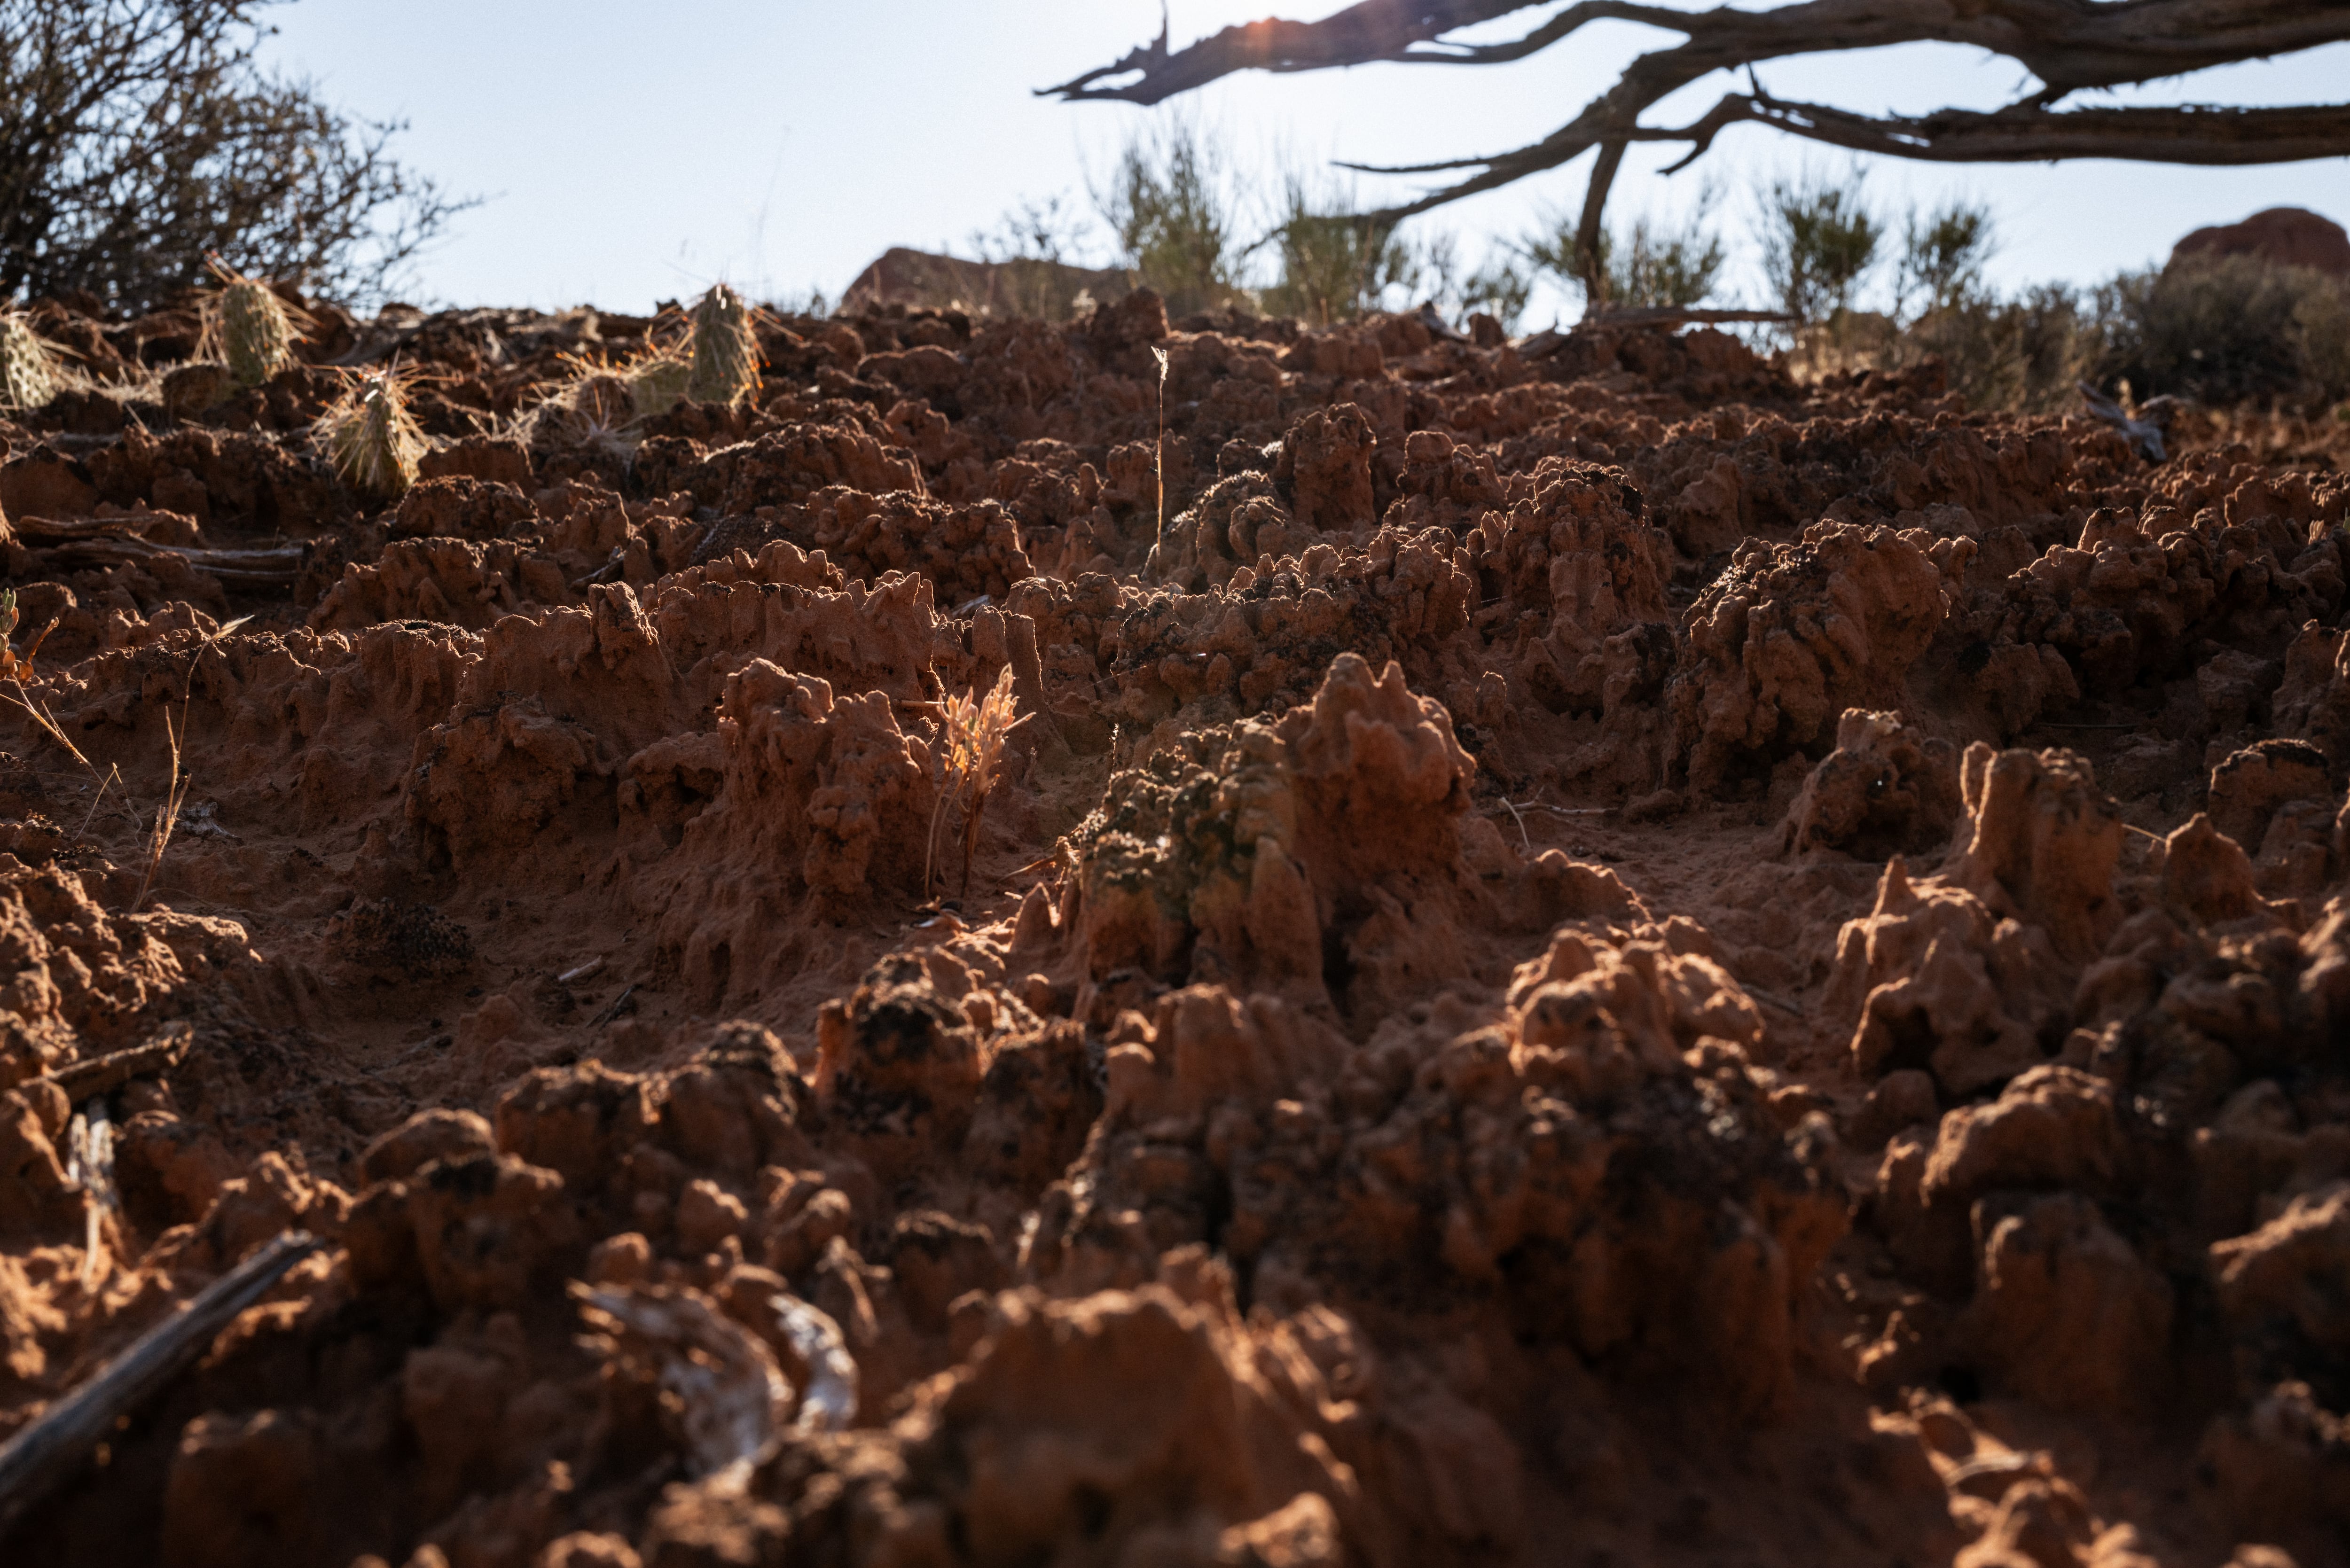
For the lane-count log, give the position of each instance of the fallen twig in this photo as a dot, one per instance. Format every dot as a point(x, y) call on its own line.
point(612, 1012)
point(104, 1074)
point(36, 1461)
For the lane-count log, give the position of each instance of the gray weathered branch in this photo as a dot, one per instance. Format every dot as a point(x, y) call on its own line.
point(2069, 45)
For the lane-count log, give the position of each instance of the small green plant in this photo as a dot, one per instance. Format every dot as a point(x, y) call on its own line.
point(1334, 263)
point(1819, 240)
point(370, 436)
point(1656, 264)
point(723, 363)
point(971, 732)
point(1942, 257)
point(14, 666)
point(1168, 204)
point(29, 372)
point(249, 326)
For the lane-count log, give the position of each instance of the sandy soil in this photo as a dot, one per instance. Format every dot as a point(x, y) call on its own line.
point(1599, 958)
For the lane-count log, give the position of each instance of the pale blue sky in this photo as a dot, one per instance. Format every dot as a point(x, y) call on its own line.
point(632, 152)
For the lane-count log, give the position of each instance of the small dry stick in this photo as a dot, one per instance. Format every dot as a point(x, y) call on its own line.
point(1161, 355)
point(104, 1074)
point(167, 815)
point(38, 1459)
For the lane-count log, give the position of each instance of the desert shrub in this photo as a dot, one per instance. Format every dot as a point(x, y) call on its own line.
point(1656, 262)
point(1169, 200)
point(2225, 329)
point(1500, 289)
point(1818, 239)
point(1037, 250)
point(2024, 355)
point(1334, 263)
point(137, 136)
point(1942, 256)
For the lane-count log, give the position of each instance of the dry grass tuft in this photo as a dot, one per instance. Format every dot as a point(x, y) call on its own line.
point(368, 434)
point(973, 730)
point(14, 666)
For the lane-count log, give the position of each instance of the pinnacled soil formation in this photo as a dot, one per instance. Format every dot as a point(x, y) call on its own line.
point(1583, 953)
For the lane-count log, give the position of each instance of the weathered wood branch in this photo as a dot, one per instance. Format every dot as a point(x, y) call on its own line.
point(2069, 45)
point(63, 1437)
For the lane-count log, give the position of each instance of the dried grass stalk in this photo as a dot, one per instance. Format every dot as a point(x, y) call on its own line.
point(973, 730)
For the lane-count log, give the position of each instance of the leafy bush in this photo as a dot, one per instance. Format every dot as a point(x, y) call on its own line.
point(1656, 264)
point(1943, 253)
point(1818, 240)
point(1168, 204)
point(2226, 330)
point(1334, 264)
point(138, 136)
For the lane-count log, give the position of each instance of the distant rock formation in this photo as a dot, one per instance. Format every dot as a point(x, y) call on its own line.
point(1023, 287)
point(2290, 236)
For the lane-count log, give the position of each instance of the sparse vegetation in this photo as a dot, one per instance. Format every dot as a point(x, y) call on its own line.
point(723, 364)
point(1170, 205)
point(139, 137)
point(972, 733)
point(1942, 257)
point(249, 326)
point(1334, 264)
point(1819, 240)
point(369, 435)
point(1656, 263)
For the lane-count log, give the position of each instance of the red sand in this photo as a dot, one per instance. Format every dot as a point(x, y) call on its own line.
point(1610, 959)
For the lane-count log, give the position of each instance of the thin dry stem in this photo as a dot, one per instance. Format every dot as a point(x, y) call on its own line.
point(167, 815)
point(1161, 355)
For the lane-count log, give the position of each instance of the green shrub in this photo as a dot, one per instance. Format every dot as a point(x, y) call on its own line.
point(2226, 330)
point(1169, 203)
point(1819, 239)
point(1656, 264)
point(1942, 256)
point(1336, 264)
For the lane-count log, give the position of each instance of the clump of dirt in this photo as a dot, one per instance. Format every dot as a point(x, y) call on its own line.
point(1588, 954)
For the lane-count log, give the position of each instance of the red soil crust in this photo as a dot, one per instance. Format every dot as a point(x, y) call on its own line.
point(1599, 957)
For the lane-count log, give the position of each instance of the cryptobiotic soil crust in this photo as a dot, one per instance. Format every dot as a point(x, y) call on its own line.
point(1595, 957)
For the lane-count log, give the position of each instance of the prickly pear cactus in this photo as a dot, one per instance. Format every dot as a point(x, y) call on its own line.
point(256, 333)
point(28, 374)
point(370, 436)
point(657, 381)
point(726, 349)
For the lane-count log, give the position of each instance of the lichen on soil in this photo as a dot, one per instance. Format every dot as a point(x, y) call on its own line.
point(1606, 957)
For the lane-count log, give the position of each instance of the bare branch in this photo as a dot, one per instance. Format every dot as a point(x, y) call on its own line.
point(2069, 45)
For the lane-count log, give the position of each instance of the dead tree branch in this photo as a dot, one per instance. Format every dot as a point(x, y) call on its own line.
point(2068, 44)
point(63, 1437)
